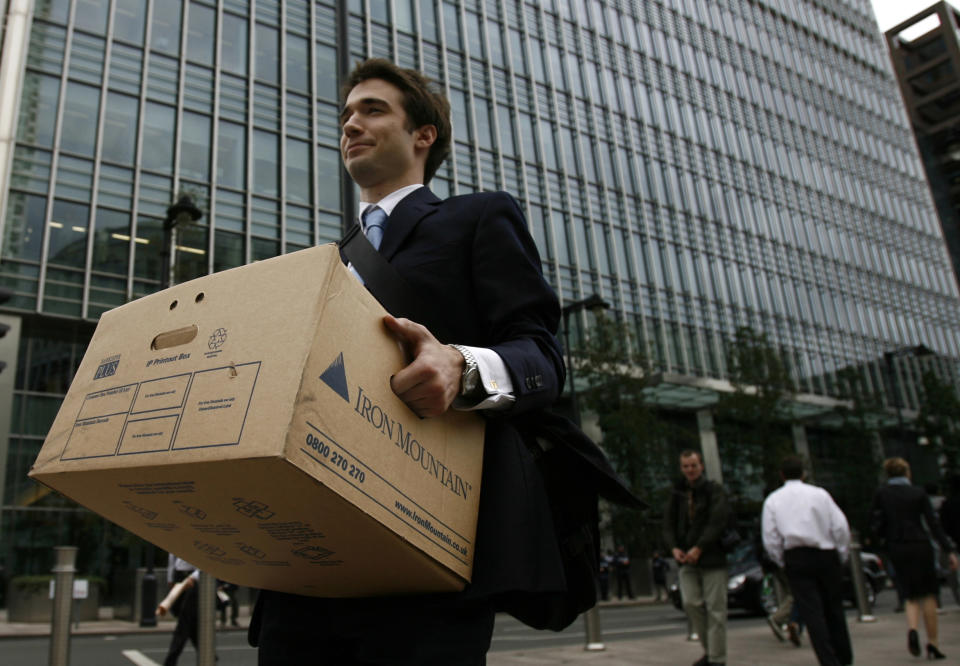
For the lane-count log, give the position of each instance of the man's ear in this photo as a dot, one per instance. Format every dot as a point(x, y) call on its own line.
point(425, 136)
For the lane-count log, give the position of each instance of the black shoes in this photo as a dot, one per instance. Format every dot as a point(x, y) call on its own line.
point(934, 653)
point(793, 630)
point(913, 642)
point(704, 661)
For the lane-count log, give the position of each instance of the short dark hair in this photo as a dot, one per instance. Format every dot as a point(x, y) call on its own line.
point(686, 453)
point(792, 467)
point(422, 102)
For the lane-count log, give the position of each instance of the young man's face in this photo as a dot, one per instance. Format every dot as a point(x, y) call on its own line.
point(691, 467)
point(378, 150)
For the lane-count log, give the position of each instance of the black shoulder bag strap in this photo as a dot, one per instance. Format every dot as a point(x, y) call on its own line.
point(387, 285)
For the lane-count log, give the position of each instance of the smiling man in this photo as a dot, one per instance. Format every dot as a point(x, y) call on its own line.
point(473, 260)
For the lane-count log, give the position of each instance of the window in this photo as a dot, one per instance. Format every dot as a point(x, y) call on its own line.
point(267, 57)
point(120, 128)
point(81, 107)
point(158, 136)
point(265, 163)
point(201, 34)
point(195, 146)
point(23, 232)
point(233, 45)
point(231, 155)
point(165, 36)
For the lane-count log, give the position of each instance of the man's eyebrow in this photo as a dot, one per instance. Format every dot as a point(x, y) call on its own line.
point(366, 101)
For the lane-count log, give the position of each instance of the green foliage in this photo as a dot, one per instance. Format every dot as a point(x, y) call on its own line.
point(640, 443)
point(40, 584)
point(854, 457)
point(752, 424)
point(938, 418)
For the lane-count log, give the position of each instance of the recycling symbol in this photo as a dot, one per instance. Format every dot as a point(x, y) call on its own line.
point(217, 338)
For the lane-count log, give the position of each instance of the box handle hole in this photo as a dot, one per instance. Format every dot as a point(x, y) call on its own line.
point(174, 338)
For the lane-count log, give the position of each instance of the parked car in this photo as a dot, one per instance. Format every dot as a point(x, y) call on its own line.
point(750, 589)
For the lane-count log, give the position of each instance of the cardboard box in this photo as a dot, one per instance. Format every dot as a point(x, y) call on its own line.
point(245, 422)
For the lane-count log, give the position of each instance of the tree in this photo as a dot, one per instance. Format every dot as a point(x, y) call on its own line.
point(641, 444)
point(937, 420)
point(855, 463)
point(752, 424)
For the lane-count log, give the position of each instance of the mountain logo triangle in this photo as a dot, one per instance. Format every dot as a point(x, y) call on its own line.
point(335, 376)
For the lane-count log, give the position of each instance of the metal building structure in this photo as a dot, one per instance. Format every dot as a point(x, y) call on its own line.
point(927, 66)
point(702, 166)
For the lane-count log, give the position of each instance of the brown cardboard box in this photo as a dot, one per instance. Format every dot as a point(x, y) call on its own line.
point(244, 421)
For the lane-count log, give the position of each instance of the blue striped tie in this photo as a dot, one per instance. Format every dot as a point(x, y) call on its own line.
point(374, 220)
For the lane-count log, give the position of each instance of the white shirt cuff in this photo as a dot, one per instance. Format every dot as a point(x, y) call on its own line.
point(495, 380)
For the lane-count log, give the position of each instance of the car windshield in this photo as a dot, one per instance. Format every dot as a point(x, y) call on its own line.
point(741, 554)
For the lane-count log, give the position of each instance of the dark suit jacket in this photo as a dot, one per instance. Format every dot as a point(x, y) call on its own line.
point(471, 258)
point(897, 513)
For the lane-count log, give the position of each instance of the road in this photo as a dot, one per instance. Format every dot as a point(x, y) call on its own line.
point(619, 623)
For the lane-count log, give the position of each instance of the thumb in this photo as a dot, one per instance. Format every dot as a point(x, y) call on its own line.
point(409, 333)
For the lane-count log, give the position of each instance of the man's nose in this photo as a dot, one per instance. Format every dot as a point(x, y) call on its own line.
point(350, 126)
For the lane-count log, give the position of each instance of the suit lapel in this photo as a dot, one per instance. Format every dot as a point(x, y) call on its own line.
point(405, 217)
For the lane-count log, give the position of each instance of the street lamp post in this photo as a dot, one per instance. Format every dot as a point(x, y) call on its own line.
point(182, 212)
point(592, 302)
point(594, 639)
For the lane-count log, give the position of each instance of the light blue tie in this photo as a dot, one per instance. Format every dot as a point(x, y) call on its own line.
point(374, 220)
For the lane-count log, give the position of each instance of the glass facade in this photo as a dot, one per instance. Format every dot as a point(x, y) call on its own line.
point(702, 166)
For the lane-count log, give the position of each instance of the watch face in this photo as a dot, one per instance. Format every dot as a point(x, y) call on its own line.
point(471, 379)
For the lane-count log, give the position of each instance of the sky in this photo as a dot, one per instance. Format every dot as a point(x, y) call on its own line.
point(891, 12)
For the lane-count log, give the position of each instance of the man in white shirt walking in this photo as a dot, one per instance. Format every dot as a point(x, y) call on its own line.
point(806, 533)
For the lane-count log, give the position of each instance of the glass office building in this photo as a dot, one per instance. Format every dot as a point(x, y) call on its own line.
point(703, 166)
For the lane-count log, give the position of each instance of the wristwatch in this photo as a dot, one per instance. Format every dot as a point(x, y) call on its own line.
point(470, 379)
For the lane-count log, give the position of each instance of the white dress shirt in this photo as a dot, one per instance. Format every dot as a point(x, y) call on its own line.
point(800, 515)
point(493, 371)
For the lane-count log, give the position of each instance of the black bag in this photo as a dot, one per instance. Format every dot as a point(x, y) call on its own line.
point(576, 473)
point(575, 470)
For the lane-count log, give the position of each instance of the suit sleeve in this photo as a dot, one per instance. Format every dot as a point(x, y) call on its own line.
point(520, 312)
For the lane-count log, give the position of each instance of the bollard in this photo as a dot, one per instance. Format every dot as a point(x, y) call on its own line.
point(864, 612)
point(206, 619)
point(591, 621)
point(63, 573)
point(148, 593)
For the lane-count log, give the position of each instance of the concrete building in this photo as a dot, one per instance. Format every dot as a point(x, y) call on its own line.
point(703, 167)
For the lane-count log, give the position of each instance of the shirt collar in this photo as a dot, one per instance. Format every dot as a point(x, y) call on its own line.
point(389, 202)
point(899, 481)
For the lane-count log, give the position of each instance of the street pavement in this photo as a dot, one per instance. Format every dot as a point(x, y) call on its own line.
point(750, 643)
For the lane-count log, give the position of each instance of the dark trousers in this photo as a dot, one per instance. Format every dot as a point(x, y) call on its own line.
point(407, 631)
point(186, 626)
point(816, 580)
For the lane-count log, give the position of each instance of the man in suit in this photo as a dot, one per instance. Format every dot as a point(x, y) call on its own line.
point(473, 260)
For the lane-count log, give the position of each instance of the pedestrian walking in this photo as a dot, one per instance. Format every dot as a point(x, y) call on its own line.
point(903, 516)
point(806, 533)
point(694, 519)
point(622, 570)
point(659, 566)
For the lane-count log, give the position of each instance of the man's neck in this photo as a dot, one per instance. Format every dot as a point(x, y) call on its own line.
point(377, 192)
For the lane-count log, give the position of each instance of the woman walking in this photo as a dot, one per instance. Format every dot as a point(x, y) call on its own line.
point(899, 513)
